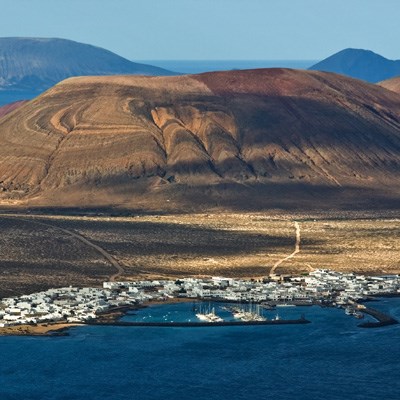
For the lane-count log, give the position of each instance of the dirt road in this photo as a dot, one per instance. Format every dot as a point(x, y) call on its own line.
point(296, 249)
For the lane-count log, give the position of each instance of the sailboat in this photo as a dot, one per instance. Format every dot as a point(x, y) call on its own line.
point(252, 313)
point(208, 316)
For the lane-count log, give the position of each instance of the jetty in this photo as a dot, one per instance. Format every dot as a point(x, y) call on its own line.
point(382, 319)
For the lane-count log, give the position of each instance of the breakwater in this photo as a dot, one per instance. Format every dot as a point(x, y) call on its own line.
point(382, 319)
point(189, 324)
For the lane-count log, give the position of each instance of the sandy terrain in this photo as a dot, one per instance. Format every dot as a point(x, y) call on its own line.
point(171, 246)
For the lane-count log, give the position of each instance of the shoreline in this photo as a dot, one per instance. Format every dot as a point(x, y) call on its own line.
point(112, 317)
point(61, 328)
point(49, 329)
point(109, 317)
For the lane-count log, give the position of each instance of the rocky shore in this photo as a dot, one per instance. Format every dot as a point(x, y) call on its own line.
point(55, 329)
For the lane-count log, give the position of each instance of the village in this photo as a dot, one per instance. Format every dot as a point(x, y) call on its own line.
point(82, 305)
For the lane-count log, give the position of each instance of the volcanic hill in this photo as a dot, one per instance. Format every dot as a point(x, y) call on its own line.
point(392, 84)
point(256, 139)
point(38, 63)
point(11, 107)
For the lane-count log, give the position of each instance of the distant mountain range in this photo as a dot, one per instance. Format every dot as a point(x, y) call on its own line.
point(37, 64)
point(360, 64)
point(238, 140)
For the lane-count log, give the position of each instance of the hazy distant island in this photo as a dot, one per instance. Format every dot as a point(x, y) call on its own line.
point(31, 65)
point(360, 64)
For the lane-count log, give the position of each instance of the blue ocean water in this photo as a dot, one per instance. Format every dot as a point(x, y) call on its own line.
point(198, 66)
point(331, 359)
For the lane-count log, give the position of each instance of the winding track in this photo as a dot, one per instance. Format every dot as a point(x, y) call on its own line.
point(296, 250)
point(119, 269)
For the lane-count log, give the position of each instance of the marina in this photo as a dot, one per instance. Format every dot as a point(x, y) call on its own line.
point(152, 358)
point(246, 301)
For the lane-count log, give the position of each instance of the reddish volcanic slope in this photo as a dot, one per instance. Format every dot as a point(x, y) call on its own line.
point(11, 107)
point(391, 84)
point(242, 139)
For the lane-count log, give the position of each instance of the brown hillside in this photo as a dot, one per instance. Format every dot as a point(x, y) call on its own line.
point(391, 84)
point(11, 107)
point(240, 139)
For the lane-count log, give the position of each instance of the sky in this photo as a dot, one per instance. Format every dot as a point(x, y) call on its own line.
point(211, 29)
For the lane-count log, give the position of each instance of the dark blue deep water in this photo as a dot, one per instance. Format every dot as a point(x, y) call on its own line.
point(331, 358)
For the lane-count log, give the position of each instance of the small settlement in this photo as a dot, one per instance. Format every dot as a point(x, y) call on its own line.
point(80, 305)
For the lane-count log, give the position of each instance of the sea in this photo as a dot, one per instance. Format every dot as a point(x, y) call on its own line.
point(331, 358)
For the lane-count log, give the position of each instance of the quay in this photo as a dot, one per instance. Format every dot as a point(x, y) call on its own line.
point(382, 319)
point(202, 324)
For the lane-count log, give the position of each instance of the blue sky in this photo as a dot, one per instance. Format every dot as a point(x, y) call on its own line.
point(212, 29)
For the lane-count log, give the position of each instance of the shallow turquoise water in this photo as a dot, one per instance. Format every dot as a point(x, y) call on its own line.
point(331, 358)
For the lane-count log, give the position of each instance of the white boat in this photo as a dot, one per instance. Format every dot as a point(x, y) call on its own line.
point(285, 305)
point(252, 314)
point(209, 317)
point(202, 317)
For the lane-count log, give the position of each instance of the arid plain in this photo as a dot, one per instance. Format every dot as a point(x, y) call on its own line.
point(39, 252)
point(238, 173)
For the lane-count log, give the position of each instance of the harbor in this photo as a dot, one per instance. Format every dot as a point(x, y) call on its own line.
point(136, 355)
point(246, 300)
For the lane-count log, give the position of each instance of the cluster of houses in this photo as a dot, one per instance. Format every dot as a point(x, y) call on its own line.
point(72, 305)
point(79, 305)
